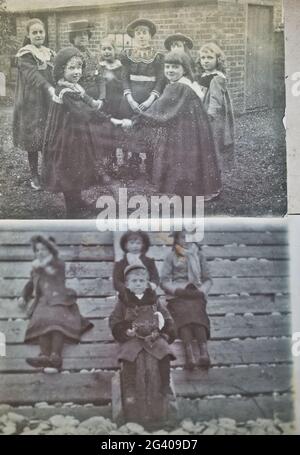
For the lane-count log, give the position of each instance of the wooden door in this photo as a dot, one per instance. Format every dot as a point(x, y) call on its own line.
point(259, 56)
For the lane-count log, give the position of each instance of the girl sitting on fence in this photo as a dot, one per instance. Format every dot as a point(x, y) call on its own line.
point(54, 315)
point(144, 329)
point(135, 245)
point(186, 280)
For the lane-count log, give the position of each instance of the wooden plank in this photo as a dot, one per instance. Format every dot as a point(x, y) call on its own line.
point(104, 355)
point(226, 237)
point(240, 409)
point(230, 252)
point(61, 237)
point(83, 287)
point(106, 238)
point(106, 253)
point(102, 307)
point(214, 224)
point(96, 387)
point(67, 253)
point(76, 387)
point(104, 269)
point(221, 328)
point(102, 287)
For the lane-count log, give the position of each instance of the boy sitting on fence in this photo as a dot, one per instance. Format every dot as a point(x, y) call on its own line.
point(144, 329)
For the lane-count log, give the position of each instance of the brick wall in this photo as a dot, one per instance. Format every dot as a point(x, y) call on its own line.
point(223, 21)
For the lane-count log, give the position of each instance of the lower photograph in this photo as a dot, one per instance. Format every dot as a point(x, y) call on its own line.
point(135, 332)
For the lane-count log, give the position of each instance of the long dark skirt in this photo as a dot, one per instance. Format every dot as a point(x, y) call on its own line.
point(189, 311)
point(150, 405)
point(61, 318)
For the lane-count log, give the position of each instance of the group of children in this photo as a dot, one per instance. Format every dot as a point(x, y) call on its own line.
point(142, 322)
point(78, 111)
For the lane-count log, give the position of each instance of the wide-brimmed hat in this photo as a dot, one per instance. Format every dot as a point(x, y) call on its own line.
point(62, 57)
point(143, 235)
point(80, 26)
point(178, 37)
point(48, 243)
point(141, 22)
point(136, 266)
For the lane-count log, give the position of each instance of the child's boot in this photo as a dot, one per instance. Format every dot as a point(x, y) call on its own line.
point(42, 361)
point(190, 362)
point(55, 361)
point(204, 359)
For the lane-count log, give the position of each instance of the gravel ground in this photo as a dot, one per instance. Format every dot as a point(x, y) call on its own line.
point(256, 186)
point(12, 423)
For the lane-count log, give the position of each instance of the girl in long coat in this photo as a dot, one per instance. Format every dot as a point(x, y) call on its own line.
point(33, 95)
point(54, 314)
point(185, 161)
point(69, 152)
point(186, 279)
point(217, 101)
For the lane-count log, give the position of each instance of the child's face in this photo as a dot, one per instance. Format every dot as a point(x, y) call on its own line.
point(177, 46)
point(208, 61)
point(142, 36)
point(181, 240)
point(41, 251)
point(134, 245)
point(107, 52)
point(73, 70)
point(137, 281)
point(173, 71)
point(37, 35)
point(81, 39)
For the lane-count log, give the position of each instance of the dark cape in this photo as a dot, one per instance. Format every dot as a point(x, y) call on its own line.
point(71, 143)
point(180, 136)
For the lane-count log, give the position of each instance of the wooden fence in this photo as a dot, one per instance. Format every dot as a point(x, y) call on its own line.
point(248, 307)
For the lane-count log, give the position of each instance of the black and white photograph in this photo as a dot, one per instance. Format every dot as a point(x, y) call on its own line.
point(162, 98)
point(133, 332)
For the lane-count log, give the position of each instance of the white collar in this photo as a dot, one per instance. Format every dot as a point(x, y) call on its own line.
point(193, 85)
point(111, 66)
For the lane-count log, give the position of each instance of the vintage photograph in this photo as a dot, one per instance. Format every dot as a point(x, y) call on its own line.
point(182, 98)
point(135, 332)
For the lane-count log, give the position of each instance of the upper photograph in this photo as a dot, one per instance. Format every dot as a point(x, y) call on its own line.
point(109, 104)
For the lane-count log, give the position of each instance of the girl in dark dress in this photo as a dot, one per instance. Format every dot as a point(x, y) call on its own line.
point(135, 246)
point(33, 95)
point(217, 102)
point(69, 152)
point(185, 161)
point(143, 83)
point(54, 314)
point(186, 280)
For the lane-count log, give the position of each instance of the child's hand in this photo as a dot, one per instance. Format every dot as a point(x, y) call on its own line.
point(130, 332)
point(116, 122)
point(97, 104)
point(22, 303)
point(126, 124)
point(146, 104)
point(133, 104)
point(36, 264)
point(51, 91)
